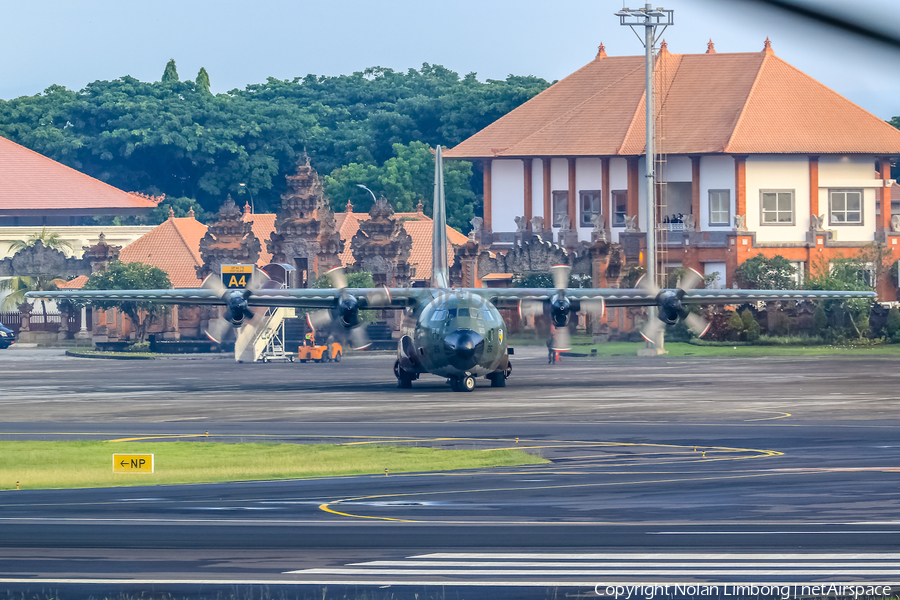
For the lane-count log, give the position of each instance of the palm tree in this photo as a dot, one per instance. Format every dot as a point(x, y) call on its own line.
point(50, 240)
point(17, 286)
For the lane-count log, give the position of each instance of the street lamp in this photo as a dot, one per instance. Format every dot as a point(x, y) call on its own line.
point(374, 199)
point(650, 19)
point(252, 207)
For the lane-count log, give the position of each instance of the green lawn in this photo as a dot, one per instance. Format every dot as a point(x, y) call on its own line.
point(79, 464)
point(682, 349)
point(82, 353)
point(583, 344)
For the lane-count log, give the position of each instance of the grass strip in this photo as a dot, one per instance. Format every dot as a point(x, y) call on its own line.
point(676, 349)
point(82, 464)
point(114, 355)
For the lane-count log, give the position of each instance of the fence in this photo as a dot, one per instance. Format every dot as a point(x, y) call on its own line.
point(37, 322)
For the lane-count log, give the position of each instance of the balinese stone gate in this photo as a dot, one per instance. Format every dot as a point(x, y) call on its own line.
point(382, 246)
point(306, 235)
point(606, 263)
point(230, 240)
point(39, 260)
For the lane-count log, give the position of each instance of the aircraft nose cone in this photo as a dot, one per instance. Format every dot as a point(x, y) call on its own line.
point(464, 348)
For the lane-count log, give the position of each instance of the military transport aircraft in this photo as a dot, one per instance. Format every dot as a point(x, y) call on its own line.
point(457, 333)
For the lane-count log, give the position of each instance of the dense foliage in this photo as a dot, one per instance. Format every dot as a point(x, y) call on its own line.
point(175, 137)
point(762, 273)
point(131, 276)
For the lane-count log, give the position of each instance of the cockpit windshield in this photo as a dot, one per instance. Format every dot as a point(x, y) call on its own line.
point(452, 313)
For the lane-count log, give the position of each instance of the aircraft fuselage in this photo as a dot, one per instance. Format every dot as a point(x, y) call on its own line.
point(454, 335)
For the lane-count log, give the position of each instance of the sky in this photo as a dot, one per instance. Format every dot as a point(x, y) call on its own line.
point(48, 42)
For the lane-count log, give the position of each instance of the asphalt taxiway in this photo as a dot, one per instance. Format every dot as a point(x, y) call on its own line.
point(662, 470)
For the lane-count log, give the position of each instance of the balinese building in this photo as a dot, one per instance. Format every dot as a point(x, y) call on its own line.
point(38, 192)
point(754, 157)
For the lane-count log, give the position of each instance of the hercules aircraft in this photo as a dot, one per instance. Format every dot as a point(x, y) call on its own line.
point(456, 333)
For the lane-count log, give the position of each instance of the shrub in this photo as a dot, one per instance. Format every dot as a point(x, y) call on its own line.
point(751, 327)
point(893, 323)
point(820, 318)
point(735, 325)
point(782, 325)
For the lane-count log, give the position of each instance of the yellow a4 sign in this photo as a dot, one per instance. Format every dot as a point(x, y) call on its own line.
point(236, 277)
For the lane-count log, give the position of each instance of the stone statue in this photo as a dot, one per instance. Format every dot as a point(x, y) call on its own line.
point(537, 224)
point(475, 234)
point(597, 222)
point(521, 224)
point(895, 223)
point(740, 222)
point(816, 223)
point(631, 224)
point(565, 225)
point(689, 224)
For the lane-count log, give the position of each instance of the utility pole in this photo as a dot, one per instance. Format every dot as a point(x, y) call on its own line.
point(650, 19)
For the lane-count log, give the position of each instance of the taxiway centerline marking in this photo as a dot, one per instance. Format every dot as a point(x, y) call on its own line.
point(665, 556)
point(615, 564)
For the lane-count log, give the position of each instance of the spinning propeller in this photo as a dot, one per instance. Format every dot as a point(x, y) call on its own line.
point(560, 307)
point(236, 311)
point(671, 308)
point(346, 310)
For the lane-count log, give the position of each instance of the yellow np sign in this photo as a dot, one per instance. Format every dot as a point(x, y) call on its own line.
point(236, 277)
point(132, 463)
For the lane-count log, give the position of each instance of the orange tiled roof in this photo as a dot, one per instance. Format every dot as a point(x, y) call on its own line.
point(417, 225)
point(740, 103)
point(31, 181)
point(74, 284)
point(174, 247)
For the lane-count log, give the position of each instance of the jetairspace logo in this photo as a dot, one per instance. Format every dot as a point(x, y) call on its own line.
point(785, 592)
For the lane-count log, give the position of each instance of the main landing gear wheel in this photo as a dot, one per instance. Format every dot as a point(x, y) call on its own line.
point(404, 378)
point(498, 379)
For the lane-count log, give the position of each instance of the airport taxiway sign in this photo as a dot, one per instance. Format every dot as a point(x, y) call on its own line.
point(132, 463)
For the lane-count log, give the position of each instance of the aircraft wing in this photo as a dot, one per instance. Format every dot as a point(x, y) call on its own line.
point(511, 297)
point(290, 298)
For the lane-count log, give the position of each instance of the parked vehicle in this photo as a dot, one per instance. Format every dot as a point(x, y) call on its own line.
point(7, 337)
point(325, 353)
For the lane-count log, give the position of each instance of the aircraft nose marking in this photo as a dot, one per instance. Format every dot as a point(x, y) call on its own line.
point(464, 348)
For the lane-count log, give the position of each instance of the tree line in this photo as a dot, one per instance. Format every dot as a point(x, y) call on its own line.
point(175, 137)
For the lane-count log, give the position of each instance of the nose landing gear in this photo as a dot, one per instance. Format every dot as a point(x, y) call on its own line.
point(465, 383)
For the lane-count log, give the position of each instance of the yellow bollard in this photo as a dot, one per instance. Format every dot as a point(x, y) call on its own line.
point(695, 448)
point(385, 472)
point(17, 485)
point(517, 440)
point(704, 454)
point(207, 434)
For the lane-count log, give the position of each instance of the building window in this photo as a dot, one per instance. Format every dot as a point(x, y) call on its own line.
point(777, 207)
point(845, 207)
point(720, 207)
point(560, 207)
point(590, 206)
point(620, 207)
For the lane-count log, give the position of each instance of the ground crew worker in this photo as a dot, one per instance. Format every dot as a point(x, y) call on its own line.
point(550, 349)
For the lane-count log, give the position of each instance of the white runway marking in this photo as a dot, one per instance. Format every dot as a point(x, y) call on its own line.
point(462, 568)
